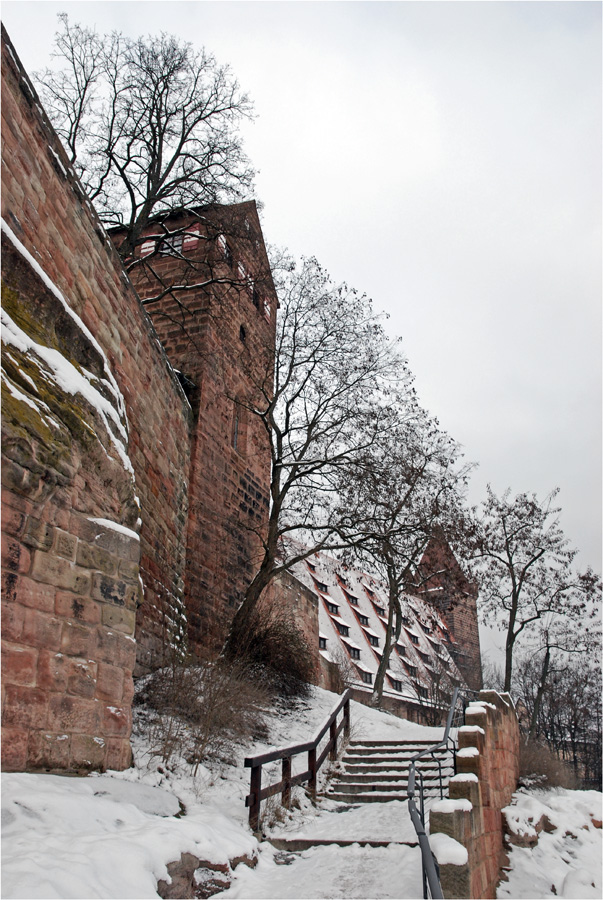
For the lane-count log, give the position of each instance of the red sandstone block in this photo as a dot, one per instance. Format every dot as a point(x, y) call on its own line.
point(15, 557)
point(12, 520)
point(88, 752)
point(110, 683)
point(38, 533)
point(48, 750)
point(53, 671)
point(19, 664)
point(117, 721)
point(73, 714)
point(14, 749)
point(81, 678)
point(81, 609)
point(41, 630)
point(35, 595)
point(119, 754)
point(76, 639)
point(65, 544)
point(128, 689)
point(60, 572)
point(25, 707)
point(13, 617)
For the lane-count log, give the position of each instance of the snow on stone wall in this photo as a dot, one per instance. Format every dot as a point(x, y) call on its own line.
point(487, 765)
point(94, 500)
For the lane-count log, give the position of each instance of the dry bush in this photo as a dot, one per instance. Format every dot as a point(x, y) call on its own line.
point(201, 708)
point(540, 767)
point(276, 653)
point(345, 674)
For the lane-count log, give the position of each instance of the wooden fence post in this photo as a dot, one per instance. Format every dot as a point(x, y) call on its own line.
point(333, 739)
point(256, 789)
point(312, 769)
point(286, 794)
point(346, 718)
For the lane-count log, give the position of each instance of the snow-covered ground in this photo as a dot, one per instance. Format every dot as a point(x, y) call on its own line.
point(566, 860)
point(112, 835)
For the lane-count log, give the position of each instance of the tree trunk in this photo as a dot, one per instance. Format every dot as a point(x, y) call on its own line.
point(539, 694)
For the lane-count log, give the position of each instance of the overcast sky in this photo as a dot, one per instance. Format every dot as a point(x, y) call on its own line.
point(444, 158)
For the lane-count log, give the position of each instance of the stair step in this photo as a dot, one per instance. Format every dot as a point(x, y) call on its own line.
point(369, 778)
point(391, 751)
point(366, 787)
point(421, 745)
point(367, 798)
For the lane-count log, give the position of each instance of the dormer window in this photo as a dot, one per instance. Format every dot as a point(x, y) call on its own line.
point(351, 598)
point(172, 245)
point(379, 610)
point(191, 238)
point(373, 640)
point(414, 638)
point(322, 643)
point(333, 608)
point(343, 630)
point(321, 586)
point(422, 692)
point(362, 619)
point(397, 685)
point(147, 247)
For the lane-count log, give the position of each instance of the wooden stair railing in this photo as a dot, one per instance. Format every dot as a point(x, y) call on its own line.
point(285, 754)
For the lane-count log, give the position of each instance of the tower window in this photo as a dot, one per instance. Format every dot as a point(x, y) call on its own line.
point(225, 248)
point(242, 333)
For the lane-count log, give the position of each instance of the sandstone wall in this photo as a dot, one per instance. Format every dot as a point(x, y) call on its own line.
point(219, 333)
point(77, 472)
point(487, 764)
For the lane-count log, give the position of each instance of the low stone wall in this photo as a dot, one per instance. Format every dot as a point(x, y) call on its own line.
point(487, 765)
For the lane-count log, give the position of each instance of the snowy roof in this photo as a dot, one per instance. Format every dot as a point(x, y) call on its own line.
point(347, 581)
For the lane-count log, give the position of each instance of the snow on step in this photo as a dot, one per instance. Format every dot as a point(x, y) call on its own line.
point(377, 771)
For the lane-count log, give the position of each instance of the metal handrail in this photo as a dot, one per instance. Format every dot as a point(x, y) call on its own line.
point(431, 870)
point(284, 754)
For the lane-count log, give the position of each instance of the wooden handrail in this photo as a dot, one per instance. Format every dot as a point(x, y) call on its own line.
point(255, 763)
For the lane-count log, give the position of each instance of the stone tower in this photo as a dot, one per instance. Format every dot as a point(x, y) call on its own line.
point(217, 327)
point(447, 587)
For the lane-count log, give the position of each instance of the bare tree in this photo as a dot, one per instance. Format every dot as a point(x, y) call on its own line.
point(337, 381)
point(404, 489)
point(525, 567)
point(151, 125)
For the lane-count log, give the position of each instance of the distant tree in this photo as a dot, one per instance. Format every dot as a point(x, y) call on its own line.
point(526, 570)
point(405, 491)
point(150, 125)
point(339, 383)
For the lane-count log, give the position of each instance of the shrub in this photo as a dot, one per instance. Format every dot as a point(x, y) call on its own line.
point(201, 708)
point(276, 654)
point(540, 767)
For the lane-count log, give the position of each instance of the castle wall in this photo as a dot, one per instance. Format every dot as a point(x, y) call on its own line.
point(219, 334)
point(81, 351)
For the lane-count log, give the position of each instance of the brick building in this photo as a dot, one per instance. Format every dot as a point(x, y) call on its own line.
point(134, 478)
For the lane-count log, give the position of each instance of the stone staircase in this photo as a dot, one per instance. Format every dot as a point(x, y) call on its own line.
point(377, 771)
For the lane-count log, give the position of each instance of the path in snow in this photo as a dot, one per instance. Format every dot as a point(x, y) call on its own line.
point(333, 871)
